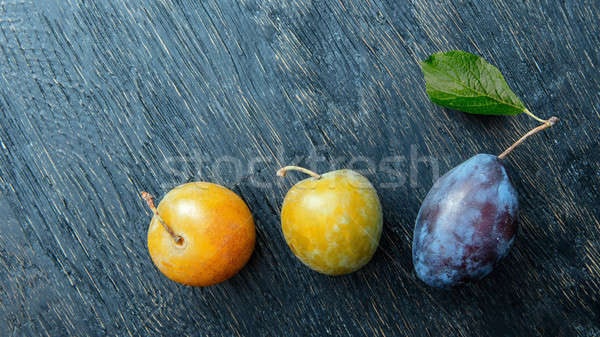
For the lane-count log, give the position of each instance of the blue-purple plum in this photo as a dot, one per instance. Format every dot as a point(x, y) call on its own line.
point(467, 223)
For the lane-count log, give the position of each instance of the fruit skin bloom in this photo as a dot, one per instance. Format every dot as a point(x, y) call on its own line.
point(467, 223)
point(333, 224)
point(217, 230)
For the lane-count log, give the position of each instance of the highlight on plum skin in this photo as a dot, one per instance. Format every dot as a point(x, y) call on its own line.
point(466, 224)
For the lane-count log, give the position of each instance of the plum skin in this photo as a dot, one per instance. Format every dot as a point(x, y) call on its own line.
point(466, 224)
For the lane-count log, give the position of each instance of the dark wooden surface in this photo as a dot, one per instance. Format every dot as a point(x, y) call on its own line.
point(101, 99)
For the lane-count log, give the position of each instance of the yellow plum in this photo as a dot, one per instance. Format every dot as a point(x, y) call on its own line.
point(332, 222)
point(201, 234)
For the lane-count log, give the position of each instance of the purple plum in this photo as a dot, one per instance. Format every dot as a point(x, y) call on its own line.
point(467, 223)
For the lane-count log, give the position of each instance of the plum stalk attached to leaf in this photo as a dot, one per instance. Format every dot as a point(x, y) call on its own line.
point(469, 219)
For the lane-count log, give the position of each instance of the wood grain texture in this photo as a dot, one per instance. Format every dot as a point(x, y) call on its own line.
point(101, 99)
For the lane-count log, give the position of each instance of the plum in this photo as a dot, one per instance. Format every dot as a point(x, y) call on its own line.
point(467, 223)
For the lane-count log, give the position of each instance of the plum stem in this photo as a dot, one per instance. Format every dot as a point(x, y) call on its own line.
point(546, 124)
point(282, 171)
point(150, 201)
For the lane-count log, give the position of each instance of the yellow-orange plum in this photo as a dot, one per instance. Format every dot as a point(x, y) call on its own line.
point(201, 234)
point(332, 222)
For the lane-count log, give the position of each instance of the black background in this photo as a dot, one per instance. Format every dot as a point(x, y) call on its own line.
point(101, 99)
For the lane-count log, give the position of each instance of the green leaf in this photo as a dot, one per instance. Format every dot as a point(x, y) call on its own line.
point(466, 82)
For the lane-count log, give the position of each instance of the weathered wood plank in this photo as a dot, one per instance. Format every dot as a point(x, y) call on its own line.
point(100, 99)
